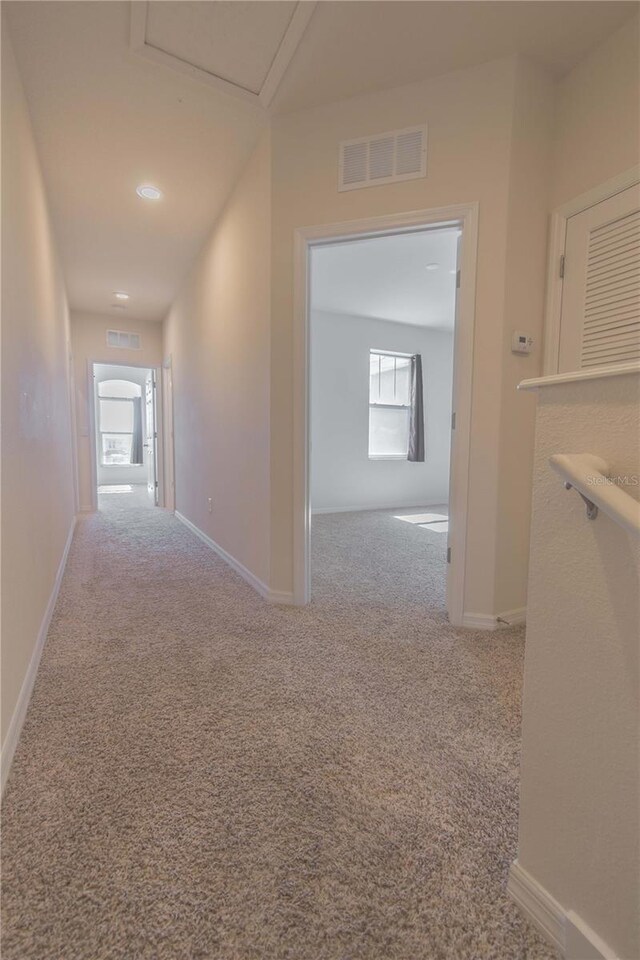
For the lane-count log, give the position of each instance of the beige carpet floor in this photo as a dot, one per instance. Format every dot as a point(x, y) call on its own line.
point(204, 776)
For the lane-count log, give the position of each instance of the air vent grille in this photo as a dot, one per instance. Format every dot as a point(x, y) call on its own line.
point(385, 158)
point(611, 331)
point(123, 340)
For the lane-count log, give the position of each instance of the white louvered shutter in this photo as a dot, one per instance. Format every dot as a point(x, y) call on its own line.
point(600, 319)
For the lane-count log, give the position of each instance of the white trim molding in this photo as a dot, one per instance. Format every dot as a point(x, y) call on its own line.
point(537, 904)
point(565, 929)
point(495, 621)
point(22, 704)
point(139, 46)
point(557, 242)
point(163, 442)
point(272, 596)
point(464, 216)
point(442, 502)
point(594, 373)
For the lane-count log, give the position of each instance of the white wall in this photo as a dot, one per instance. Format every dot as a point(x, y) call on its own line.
point(89, 343)
point(342, 475)
point(579, 825)
point(217, 333)
point(597, 129)
point(471, 156)
point(122, 472)
point(524, 287)
point(37, 472)
point(579, 793)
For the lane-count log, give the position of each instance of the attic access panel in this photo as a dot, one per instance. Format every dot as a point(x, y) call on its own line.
point(240, 48)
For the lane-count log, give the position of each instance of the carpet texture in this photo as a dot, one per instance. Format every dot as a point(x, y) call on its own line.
point(202, 775)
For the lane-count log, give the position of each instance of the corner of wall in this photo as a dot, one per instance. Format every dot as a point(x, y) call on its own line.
point(525, 278)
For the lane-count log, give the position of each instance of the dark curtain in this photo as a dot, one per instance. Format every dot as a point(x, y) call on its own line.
point(416, 420)
point(136, 439)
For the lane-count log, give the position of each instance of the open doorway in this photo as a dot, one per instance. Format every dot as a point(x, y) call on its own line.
point(126, 449)
point(378, 299)
point(382, 316)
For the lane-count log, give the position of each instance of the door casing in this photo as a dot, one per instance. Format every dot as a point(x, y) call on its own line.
point(93, 426)
point(466, 217)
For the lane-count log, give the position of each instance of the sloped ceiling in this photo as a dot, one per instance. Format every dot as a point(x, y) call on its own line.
point(107, 120)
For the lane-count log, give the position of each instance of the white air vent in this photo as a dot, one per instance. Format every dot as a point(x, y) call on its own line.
point(385, 158)
point(123, 340)
point(611, 331)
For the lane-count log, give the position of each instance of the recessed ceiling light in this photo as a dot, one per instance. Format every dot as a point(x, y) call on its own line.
point(120, 295)
point(148, 192)
point(432, 266)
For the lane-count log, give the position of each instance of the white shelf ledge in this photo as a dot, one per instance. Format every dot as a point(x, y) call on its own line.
point(597, 373)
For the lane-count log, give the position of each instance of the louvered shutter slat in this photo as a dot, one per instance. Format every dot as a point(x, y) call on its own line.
point(611, 326)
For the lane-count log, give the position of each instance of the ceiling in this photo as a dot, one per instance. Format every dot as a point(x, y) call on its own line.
point(106, 119)
point(358, 47)
point(406, 278)
point(105, 122)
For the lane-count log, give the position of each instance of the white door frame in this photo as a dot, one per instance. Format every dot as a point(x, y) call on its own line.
point(91, 397)
point(557, 242)
point(465, 216)
point(169, 472)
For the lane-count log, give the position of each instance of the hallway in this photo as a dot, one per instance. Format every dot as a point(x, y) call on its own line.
point(202, 775)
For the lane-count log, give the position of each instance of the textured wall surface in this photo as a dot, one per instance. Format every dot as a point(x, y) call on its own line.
point(597, 133)
point(37, 461)
point(579, 831)
point(217, 333)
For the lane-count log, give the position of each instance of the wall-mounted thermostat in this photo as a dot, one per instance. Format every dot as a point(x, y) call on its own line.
point(521, 342)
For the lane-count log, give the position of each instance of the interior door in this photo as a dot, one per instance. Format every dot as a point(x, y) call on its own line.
point(600, 316)
point(151, 443)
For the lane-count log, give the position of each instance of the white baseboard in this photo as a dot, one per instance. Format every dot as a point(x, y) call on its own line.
point(381, 506)
point(581, 943)
point(486, 621)
point(272, 596)
point(20, 711)
point(564, 929)
point(538, 905)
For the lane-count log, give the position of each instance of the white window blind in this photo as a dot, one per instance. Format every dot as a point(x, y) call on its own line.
point(389, 404)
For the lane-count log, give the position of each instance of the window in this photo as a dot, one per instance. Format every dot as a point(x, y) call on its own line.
point(389, 404)
point(115, 416)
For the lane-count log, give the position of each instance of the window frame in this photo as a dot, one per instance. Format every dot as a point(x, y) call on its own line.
point(112, 433)
point(386, 406)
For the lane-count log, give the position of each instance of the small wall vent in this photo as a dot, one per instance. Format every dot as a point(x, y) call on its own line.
point(384, 158)
point(123, 340)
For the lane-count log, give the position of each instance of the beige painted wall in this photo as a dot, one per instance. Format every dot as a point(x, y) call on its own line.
point(598, 116)
point(89, 343)
point(525, 269)
point(475, 149)
point(579, 827)
point(579, 799)
point(217, 334)
point(37, 474)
